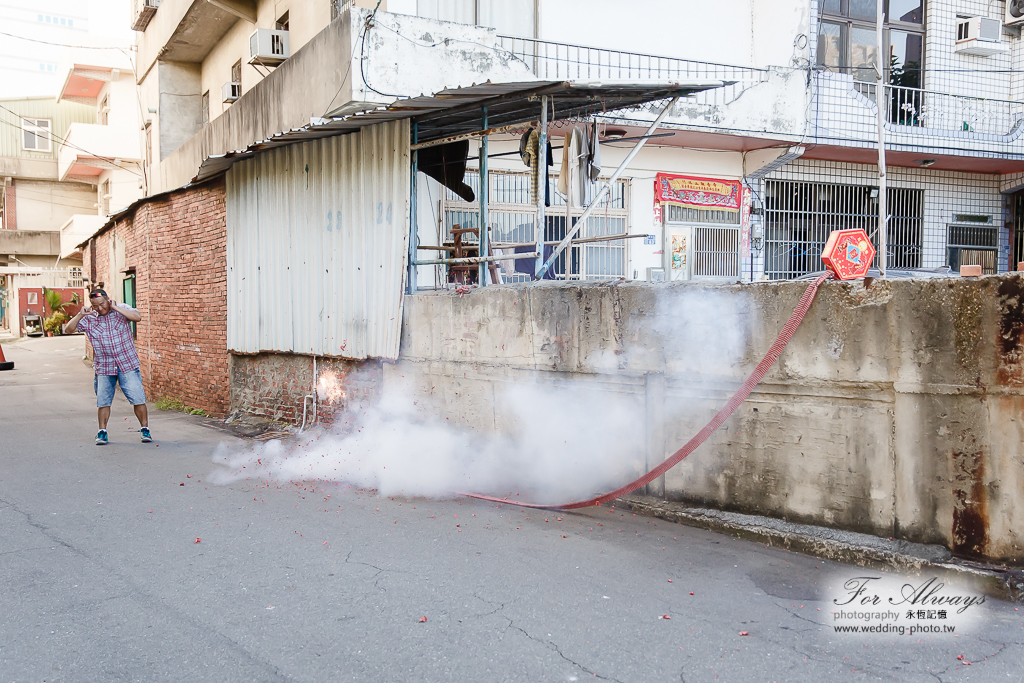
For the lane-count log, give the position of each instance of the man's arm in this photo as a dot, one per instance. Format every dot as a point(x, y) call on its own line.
point(72, 325)
point(127, 311)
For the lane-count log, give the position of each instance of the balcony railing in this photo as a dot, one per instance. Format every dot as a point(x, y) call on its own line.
point(557, 61)
point(947, 113)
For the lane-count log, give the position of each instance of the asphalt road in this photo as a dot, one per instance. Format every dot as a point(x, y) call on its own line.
point(102, 577)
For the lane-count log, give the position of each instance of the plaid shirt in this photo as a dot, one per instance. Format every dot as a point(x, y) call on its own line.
point(112, 343)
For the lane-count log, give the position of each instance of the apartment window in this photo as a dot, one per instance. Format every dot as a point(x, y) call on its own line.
point(282, 23)
point(973, 244)
point(236, 72)
point(105, 197)
point(206, 107)
point(846, 40)
point(102, 117)
point(508, 17)
point(35, 135)
point(149, 145)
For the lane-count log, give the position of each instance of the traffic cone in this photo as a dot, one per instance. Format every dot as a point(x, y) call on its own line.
point(4, 365)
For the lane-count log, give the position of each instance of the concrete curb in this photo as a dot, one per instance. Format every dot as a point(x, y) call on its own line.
point(862, 550)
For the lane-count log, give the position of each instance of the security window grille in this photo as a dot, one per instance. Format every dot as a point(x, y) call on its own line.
point(973, 245)
point(35, 135)
point(1018, 230)
point(236, 72)
point(799, 217)
point(75, 277)
point(206, 107)
point(715, 241)
point(512, 215)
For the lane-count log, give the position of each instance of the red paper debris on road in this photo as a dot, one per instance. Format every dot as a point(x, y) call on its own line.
point(423, 620)
point(664, 616)
point(744, 633)
point(199, 540)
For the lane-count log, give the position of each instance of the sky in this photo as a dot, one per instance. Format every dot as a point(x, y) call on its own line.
point(29, 68)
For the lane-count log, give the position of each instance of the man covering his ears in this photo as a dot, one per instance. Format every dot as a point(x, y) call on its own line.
point(115, 361)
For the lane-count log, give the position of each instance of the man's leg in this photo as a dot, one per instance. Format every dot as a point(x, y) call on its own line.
point(142, 414)
point(102, 415)
point(131, 387)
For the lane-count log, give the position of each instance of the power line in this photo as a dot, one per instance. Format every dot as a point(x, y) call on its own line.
point(63, 141)
point(46, 42)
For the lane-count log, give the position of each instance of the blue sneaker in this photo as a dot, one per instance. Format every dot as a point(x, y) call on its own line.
point(101, 437)
point(146, 436)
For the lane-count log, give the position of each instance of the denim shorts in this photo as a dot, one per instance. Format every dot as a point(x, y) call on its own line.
point(131, 387)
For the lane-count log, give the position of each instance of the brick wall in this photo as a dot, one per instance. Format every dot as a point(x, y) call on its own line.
point(177, 245)
point(273, 385)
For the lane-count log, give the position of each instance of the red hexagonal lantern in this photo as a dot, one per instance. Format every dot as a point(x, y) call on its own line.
point(848, 254)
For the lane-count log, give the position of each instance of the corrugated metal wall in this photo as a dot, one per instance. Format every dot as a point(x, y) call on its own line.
point(317, 236)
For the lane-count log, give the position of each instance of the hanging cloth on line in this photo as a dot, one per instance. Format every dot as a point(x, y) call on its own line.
point(447, 165)
point(594, 155)
point(574, 152)
point(529, 145)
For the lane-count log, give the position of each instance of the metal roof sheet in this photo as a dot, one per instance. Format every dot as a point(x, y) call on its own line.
point(456, 111)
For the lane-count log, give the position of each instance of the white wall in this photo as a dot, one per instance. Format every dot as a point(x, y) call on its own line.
point(43, 205)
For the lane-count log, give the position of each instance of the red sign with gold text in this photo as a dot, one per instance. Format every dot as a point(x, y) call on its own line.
point(697, 193)
point(848, 254)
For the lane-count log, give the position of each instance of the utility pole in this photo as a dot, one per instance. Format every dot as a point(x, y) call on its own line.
point(883, 238)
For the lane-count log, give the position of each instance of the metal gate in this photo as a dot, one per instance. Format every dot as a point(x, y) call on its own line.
point(799, 216)
point(702, 244)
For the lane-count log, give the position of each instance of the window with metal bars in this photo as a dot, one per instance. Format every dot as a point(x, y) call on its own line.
point(799, 216)
point(973, 245)
point(715, 240)
point(512, 215)
point(1018, 230)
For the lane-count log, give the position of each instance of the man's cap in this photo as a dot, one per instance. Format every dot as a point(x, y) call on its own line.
point(97, 292)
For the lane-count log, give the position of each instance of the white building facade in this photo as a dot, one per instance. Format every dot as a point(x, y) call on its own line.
point(792, 134)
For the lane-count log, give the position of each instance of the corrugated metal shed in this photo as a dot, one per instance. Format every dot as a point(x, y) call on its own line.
point(457, 111)
point(317, 238)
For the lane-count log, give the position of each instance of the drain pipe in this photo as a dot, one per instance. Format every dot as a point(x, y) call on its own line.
point(310, 398)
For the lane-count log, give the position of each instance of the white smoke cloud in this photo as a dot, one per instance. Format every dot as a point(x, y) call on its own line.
point(554, 442)
point(566, 443)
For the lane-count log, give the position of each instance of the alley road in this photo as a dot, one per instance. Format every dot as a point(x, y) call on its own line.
point(102, 577)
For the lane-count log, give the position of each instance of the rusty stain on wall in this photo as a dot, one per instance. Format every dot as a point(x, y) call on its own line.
point(1010, 345)
point(970, 507)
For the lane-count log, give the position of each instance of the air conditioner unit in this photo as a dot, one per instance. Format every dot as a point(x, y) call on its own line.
point(979, 36)
point(231, 91)
point(143, 13)
point(1014, 12)
point(268, 47)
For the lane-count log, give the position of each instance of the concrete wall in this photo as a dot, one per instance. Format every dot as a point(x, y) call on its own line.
point(318, 79)
point(177, 246)
point(43, 205)
point(896, 409)
point(719, 32)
